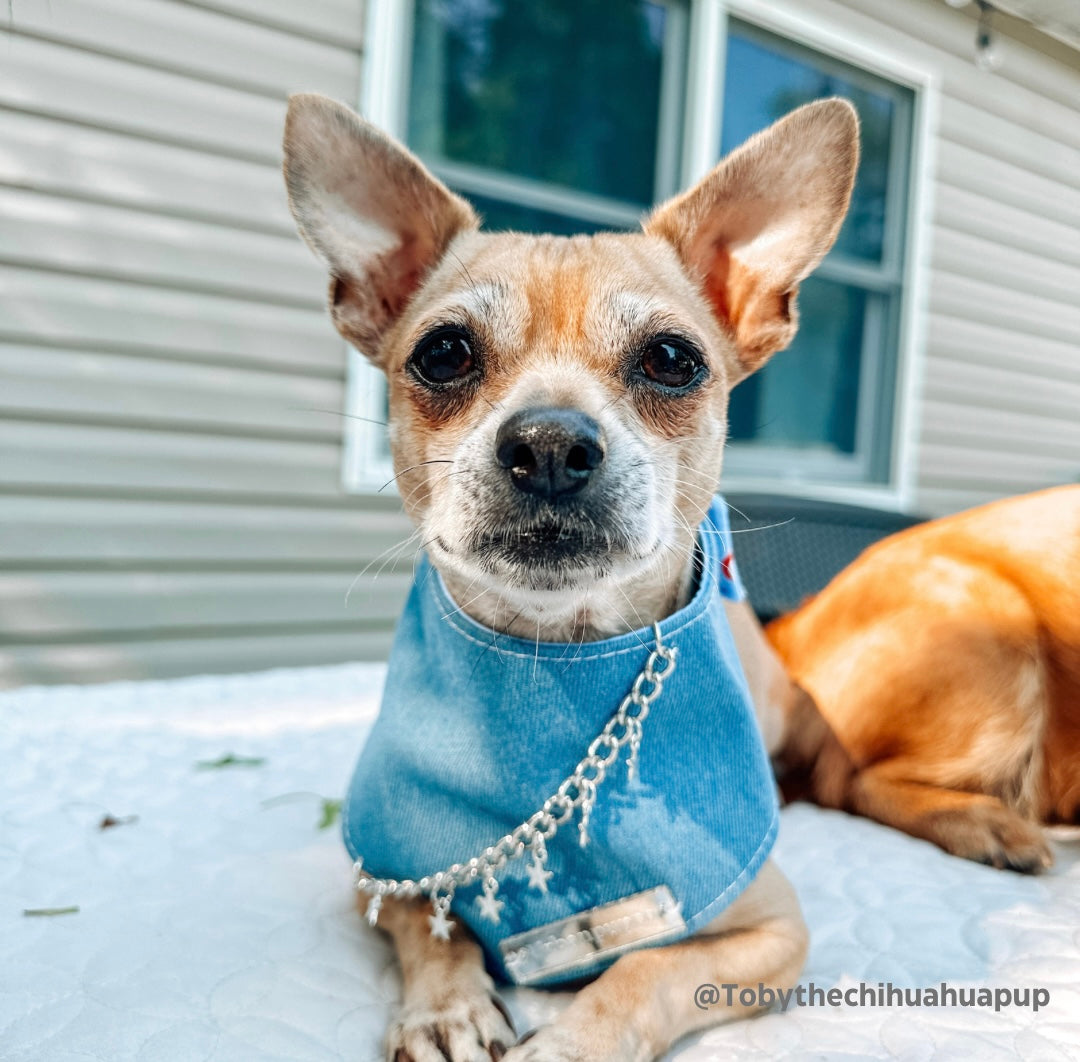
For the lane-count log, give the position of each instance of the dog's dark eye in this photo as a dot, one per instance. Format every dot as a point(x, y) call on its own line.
point(443, 357)
point(670, 364)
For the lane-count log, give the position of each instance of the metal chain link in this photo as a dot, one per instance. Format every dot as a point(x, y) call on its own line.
point(578, 790)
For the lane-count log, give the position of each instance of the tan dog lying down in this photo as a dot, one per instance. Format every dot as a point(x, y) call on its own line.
point(946, 660)
point(558, 410)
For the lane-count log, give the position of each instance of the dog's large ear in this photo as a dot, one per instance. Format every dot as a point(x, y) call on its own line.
point(369, 209)
point(761, 221)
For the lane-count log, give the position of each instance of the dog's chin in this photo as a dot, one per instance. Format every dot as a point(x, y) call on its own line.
point(543, 557)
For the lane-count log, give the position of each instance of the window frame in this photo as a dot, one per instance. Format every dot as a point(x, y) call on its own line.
point(700, 28)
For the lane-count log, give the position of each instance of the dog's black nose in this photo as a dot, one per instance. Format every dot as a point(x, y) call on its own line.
point(550, 452)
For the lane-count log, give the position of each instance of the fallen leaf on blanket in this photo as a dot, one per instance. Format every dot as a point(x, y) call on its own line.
point(331, 810)
point(109, 821)
point(48, 912)
point(231, 760)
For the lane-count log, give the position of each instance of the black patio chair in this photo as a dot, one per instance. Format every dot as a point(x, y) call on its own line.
point(788, 548)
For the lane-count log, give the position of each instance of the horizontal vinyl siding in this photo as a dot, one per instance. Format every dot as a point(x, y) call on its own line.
point(48, 306)
point(93, 533)
point(63, 606)
point(94, 165)
point(998, 404)
point(56, 233)
point(194, 42)
point(338, 22)
point(101, 388)
point(170, 387)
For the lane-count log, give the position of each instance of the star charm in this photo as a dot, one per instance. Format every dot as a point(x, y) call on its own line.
point(538, 875)
point(490, 906)
point(440, 924)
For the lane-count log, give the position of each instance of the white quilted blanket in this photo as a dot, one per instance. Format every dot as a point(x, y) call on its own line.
point(220, 924)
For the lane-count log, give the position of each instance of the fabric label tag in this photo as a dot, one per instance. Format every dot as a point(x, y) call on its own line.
point(600, 932)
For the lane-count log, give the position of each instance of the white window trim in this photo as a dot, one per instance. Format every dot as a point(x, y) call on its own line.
point(847, 41)
point(388, 30)
point(366, 467)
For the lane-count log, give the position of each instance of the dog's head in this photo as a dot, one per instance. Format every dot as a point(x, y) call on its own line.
point(558, 406)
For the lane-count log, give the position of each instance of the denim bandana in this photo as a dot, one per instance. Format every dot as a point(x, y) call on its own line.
point(477, 729)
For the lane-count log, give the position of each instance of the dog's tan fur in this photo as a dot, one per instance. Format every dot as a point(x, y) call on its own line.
point(946, 663)
point(555, 318)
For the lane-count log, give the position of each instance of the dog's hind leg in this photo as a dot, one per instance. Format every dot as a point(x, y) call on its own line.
point(938, 701)
point(449, 1010)
point(972, 825)
point(648, 999)
point(1061, 791)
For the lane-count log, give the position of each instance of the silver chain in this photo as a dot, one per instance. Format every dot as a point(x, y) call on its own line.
point(576, 791)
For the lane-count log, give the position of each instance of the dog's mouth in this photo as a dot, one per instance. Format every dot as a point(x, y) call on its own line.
point(546, 544)
point(545, 553)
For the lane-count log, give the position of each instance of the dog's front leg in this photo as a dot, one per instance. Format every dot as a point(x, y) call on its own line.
point(646, 1001)
point(449, 1010)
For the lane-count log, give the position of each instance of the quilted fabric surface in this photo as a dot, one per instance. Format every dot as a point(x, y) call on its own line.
point(219, 924)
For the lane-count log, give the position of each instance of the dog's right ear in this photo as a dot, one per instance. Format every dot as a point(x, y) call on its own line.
point(370, 210)
point(756, 226)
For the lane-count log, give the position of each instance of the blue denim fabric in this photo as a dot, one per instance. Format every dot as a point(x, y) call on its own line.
point(476, 730)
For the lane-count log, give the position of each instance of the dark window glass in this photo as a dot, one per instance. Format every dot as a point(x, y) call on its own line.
point(764, 81)
point(842, 362)
point(499, 215)
point(566, 91)
point(807, 397)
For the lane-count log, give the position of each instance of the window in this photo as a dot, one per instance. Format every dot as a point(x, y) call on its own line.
point(822, 410)
point(547, 115)
point(571, 116)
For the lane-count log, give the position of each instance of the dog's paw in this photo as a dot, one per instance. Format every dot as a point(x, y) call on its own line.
point(994, 835)
point(560, 1043)
point(549, 1043)
point(467, 1029)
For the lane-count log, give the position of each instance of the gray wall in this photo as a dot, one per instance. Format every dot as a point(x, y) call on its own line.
point(999, 398)
point(169, 492)
point(169, 497)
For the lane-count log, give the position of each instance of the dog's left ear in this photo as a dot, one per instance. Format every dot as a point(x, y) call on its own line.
point(761, 221)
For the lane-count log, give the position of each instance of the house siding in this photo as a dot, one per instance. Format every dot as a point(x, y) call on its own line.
point(170, 386)
point(171, 389)
point(998, 396)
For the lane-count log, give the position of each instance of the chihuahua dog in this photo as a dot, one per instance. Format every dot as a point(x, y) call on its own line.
point(558, 410)
point(945, 665)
